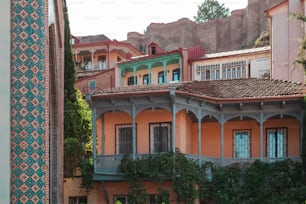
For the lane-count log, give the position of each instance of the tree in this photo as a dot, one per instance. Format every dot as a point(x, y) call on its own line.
point(77, 116)
point(210, 9)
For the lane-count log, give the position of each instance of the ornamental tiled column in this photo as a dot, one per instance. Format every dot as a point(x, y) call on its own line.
point(29, 104)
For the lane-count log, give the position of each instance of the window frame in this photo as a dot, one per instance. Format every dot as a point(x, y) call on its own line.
point(152, 136)
point(145, 76)
point(132, 80)
point(285, 142)
point(90, 82)
point(117, 139)
point(162, 76)
point(121, 196)
point(176, 72)
point(72, 200)
point(249, 150)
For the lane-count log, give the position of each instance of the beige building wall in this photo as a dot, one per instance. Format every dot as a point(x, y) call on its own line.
point(5, 101)
point(287, 33)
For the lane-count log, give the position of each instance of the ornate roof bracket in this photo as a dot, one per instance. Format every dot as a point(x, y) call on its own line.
point(131, 99)
point(261, 105)
point(283, 104)
point(150, 98)
point(111, 101)
point(240, 106)
point(221, 107)
point(189, 100)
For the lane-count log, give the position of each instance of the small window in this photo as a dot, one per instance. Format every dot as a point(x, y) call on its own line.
point(217, 74)
point(153, 50)
point(277, 142)
point(176, 75)
point(123, 139)
point(241, 144)
point(120, 199)
point(160, 137)
point(161, 77)
point(78, 200)
point(132, 80)
point(92, 84)
point(145, 79)
point(157, 199)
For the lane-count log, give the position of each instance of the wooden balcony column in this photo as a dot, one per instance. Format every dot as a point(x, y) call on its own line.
point(149, 73)
point(222, 139)
point(261, 121)
point(133, 130)
point(76, 52)
point(181, 69)
point(134, 75)
point(165, 71)
point(92, 51)
point(199, 117)
point(172, 96)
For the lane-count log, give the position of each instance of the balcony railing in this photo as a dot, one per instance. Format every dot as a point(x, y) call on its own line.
point(108, 164)
point(96, 66)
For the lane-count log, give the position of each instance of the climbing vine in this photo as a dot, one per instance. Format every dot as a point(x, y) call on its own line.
point(259, 182)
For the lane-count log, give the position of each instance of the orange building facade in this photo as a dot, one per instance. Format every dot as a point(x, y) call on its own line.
point(219, 121)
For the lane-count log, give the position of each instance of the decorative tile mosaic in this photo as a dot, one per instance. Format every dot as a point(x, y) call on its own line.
point(28, 101)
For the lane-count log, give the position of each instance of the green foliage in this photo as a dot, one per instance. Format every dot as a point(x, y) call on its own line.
point(209, 10)
point(87, 169)
point(77, 120)
point(278, 182)
point(137, 193)
point(161, 167)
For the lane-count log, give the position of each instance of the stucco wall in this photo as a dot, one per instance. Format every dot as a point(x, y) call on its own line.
point(5, 101)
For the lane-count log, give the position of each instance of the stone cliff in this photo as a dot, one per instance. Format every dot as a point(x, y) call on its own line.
point(237, 31)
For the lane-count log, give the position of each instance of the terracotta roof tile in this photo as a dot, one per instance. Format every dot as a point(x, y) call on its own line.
point(219, 89)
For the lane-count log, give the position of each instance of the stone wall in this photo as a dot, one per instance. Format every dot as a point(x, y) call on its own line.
point(238, 31)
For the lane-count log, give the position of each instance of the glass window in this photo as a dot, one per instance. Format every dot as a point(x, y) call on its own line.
point(78, 200)
point(243, 72)
point(176, 75)
point(120, 199)
point(238, 72)
point(276, 142)
point(228, 76)
point(203, 75)
point(160, 137)
point(241, 144)
point(123, 139)
point(212, 74)
point(161, 77)
point(92, 84)
point(131, 80)
point(145, 79)
point(217, 74)
point(207, 74)
point(223, 73)
point(157, 199)
point(234, 73)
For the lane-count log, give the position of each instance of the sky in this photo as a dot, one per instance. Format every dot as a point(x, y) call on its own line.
point(115, 18)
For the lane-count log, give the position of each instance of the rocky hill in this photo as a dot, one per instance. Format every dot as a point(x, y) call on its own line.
point(237, 31)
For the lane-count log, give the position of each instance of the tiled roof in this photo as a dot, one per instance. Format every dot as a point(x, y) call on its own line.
point(93, 38)
point(234, 52)
point(217, 89)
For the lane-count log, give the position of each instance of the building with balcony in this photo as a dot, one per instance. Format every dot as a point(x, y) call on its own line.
point(91, 57)
point(247, 63)
point(219, 121)
point(157, 67)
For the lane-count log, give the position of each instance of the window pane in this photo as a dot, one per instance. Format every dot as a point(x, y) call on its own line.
point(176, 75)
point(277, 143)
point(241, 145)
point(123, 139)
point(160, 138)
point(161, 77)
